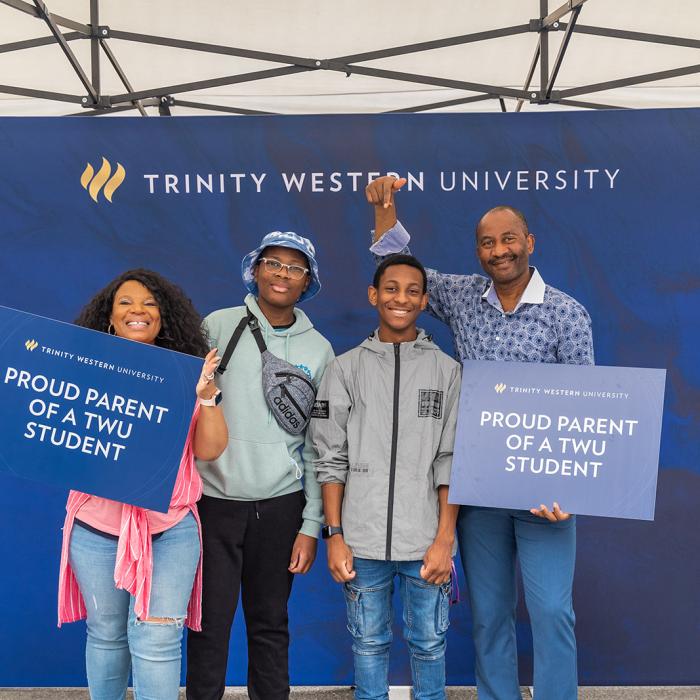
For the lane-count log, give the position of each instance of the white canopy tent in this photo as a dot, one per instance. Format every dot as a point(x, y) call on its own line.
point(322, 57)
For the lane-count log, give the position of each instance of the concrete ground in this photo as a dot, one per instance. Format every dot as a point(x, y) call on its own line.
point(345, 693)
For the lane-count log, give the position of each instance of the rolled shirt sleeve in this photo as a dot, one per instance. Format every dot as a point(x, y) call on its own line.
point(394, 240)
point(441, 286)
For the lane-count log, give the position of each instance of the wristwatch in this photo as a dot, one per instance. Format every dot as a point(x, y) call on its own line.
point(213, 401)
point(330, 530)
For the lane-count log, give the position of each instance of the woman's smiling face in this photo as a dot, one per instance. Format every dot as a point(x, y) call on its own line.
point(135, 313)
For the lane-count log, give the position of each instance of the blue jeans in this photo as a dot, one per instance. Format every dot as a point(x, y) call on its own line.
point(117, 642)
point(489, 541)
point(426, 618)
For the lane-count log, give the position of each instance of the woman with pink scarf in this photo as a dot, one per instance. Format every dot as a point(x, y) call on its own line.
point(136, 574)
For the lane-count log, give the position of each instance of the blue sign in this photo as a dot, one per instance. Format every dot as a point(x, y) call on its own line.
point(93, 412)
point(586, 437)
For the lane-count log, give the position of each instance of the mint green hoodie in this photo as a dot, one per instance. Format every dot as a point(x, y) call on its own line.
point(262, 460)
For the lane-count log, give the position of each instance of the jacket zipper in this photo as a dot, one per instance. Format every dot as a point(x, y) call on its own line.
point(394, 442)
point(296, 376)
point(288, 395)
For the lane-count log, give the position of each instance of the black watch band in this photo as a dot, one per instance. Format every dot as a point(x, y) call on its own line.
point(330, 530)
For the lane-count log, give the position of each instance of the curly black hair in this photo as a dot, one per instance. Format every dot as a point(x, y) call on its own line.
point(181, 325)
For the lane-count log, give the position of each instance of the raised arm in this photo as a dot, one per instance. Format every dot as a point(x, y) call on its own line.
point(391, 237)
point(380, 193)
point(211, 433)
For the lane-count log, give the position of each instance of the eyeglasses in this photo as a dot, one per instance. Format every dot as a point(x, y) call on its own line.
point(295, 272)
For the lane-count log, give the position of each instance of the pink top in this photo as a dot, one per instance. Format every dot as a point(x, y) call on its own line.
point(106, 516)
point(134, 526)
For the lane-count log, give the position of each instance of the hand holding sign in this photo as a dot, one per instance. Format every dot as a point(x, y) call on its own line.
point(206, 389)
point(99, 414)
point(536, 432)
point(555, 515)
point(87, 411)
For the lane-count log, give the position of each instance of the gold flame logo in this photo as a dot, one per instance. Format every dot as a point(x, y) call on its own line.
point(31, 345)
point(500, 388)
point(93, 183)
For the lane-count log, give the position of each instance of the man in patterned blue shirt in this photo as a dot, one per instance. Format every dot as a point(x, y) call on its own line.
point(511, 315)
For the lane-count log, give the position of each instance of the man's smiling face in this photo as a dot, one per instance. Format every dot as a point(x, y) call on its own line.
point(504, 246)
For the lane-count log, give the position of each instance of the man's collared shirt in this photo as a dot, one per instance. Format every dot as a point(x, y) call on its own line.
point(547, 325)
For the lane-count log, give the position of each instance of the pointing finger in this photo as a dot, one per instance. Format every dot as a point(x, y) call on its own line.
point(388, 193)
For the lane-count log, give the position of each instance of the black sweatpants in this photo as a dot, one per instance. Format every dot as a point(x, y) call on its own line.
point(247, 548)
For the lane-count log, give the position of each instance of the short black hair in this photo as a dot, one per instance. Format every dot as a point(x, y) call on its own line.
point(399, 259)
point(506, 207)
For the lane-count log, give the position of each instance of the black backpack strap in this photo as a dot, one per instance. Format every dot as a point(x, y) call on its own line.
point(232, 345)
point(254, 326)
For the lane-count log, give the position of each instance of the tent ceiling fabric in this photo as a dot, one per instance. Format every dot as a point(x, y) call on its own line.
point(312, 30)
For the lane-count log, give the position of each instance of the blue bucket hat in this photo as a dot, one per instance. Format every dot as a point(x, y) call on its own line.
point(284, 239)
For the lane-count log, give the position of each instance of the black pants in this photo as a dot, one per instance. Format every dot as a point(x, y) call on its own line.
point(247, 548)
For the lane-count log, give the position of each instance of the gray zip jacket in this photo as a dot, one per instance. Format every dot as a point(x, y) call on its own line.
point(384, 425)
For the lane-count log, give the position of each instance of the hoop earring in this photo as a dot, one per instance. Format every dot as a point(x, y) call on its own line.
point(110, 329)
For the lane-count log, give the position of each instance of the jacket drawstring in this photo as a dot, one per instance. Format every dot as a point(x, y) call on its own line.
point(454, 585)
point(298, 473)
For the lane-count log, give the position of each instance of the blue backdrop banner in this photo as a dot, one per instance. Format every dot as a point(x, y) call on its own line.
point(585, 437)
point(88, 411)
point(611, 197)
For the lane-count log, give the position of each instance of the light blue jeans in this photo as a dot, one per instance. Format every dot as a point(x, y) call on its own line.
point(425, 616)
point(490, 539)
point(117, 642)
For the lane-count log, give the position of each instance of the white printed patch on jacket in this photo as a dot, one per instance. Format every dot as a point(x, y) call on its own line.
point(430, 403)
point(320, 409)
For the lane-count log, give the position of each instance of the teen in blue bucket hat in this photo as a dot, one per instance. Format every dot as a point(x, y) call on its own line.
point(261, 508)
point(283, 239)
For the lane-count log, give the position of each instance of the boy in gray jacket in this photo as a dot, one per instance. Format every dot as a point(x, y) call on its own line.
point(383, 428)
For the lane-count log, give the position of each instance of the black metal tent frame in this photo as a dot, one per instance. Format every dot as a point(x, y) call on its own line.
point(94, 102)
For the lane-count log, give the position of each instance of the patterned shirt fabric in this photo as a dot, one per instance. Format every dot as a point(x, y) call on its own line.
point(547, 325)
